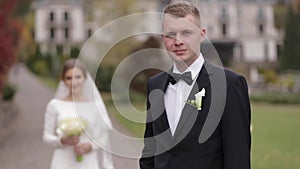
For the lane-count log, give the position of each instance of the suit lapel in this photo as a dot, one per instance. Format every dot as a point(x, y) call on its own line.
point(189, 113)
point(162, 119)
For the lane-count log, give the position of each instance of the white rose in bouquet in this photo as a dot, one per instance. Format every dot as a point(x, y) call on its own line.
point(72, 127)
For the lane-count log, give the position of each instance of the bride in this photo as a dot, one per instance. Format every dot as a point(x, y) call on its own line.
point(77, 98)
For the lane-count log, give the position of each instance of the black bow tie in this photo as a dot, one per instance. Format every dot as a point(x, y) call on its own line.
point(174, 78)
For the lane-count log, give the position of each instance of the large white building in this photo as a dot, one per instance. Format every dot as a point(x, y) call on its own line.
point(59, 23)
point(69, 23)
point(241, 30)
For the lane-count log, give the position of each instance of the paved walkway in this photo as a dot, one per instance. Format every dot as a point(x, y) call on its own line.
point(24, 148)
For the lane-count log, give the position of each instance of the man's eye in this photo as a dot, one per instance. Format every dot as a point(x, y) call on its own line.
point(187, 32)
point(171, 35)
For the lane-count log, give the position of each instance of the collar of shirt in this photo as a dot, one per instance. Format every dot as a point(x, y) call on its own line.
point(175, 95)
point(194, 68)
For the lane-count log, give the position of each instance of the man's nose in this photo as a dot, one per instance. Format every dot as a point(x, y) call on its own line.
point(178, 40)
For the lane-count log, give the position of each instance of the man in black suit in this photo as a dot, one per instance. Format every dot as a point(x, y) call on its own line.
point(198, 115)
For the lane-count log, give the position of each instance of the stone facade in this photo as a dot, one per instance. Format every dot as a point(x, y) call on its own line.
point(245, 26)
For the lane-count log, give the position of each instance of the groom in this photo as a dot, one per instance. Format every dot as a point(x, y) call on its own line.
point(198, 114)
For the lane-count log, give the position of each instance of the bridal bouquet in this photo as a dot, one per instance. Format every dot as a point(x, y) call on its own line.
point(72, 127)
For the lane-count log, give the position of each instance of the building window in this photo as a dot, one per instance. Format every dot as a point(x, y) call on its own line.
point(224, 13)
point(260, 28)
point(90, 32)
point(51, 16)
point(66, 16)
point(67, 33)
point(224, 29)
point(52, 33)
point(260, 13)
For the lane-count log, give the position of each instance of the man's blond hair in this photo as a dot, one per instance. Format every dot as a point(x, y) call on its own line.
point(181, 9)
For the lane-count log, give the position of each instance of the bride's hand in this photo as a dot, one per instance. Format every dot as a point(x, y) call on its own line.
point(82, 148)
point(70, 140)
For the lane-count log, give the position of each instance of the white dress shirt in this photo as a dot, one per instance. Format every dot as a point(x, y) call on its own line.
point(176, 95)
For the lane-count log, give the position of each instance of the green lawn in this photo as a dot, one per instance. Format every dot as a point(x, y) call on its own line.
point(276, 136)
point(50, 82)
point(137, 129)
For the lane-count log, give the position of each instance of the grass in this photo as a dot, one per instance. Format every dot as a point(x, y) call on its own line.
point(276, 136)
point(135, 128)
point(49, 82)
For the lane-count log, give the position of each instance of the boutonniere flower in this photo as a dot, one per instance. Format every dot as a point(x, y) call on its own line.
point(197, 103)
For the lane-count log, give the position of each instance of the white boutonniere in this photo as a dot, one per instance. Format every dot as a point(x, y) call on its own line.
point(197, 103)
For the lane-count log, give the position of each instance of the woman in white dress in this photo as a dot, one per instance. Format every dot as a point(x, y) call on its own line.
point(77, 98)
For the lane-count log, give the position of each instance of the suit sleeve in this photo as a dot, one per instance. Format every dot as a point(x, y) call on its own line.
point(236, 126)
point(147, 159)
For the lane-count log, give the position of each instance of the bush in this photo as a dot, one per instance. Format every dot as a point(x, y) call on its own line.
point(75, 52)
point(276, 98)
point(9, 92)
point(40, 66)
point(137, 97)
point(104, 77)
point(270, 76)
point(289, 82)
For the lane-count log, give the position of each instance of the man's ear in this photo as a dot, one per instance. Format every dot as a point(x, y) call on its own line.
point(203, 34)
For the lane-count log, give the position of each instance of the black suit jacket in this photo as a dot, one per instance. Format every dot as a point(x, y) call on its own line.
point(223, 125)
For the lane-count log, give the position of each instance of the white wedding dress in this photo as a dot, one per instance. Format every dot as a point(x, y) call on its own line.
point(96, 132)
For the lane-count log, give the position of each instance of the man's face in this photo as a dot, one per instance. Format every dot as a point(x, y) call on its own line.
point(182, 38)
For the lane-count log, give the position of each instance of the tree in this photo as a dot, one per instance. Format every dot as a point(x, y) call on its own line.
point(280, 12)
point(290, 56)
point(9, 36)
